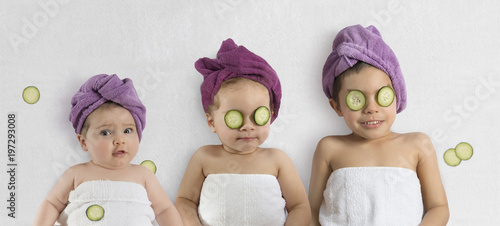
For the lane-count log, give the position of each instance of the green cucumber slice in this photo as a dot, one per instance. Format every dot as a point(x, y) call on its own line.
point(355, 100)
point(464, 151)
point(150, 165)
point(95, 212)
point(451, 158)
point(261, 115)
point(233, 119)
point(385, 96)
point(31, 95)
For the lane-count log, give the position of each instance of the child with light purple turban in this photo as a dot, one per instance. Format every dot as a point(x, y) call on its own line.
point(238, 182)
point(372, 176)
point(108, 118)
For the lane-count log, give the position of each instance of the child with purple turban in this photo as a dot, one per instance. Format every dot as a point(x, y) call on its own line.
point(238, 182)
point(108, 118)
point(372, 176)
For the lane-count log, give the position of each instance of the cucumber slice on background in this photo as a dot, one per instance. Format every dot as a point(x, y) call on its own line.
point(385, 96)
point(451, 158)
point(262, 115)
point(233, 119)
point(150, 165)
point(355, 100)
point(31, 95)
point(464, 151)
point(95, 212)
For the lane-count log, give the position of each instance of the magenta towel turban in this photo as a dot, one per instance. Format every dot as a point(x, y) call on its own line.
point(355, 43)
point(237, 61)
point(101, 88)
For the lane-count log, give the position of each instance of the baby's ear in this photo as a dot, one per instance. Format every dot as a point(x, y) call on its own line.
point(210, 122)
point(335, 106)
point(81, 139)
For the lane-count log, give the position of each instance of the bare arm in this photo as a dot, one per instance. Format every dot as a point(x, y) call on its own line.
point(297, 205)
point(436, 210)
point(320, 172)
point(56, 201)
point(164, 209)
point(188, 196)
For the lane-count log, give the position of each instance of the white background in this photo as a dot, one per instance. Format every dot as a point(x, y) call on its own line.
point(448, 52)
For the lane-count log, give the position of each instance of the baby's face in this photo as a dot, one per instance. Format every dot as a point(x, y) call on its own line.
point(372, 121)
point(111, 140)
point(244, 96)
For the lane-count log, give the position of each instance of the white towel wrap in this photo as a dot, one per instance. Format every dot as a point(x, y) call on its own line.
point(124, 203)
point(241, 199)
point(372, 196)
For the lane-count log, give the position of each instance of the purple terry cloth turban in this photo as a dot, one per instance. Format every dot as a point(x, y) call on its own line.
point(355, 43)
point(237, 61)
point(100, 89)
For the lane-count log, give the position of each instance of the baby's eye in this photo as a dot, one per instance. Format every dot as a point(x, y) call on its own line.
point(128, 130)
point(105, 133)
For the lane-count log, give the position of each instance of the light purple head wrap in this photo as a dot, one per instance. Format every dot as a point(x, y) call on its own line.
point(237, 61)
point(100, 89)
point(355, 43)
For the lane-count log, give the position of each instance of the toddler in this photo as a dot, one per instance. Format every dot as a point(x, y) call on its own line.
point(372, 176)
point(238, 182)
point(108, 118)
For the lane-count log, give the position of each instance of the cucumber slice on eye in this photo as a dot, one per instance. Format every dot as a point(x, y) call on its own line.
point(95, 212)
point(464, 151)
point(355, 100)
point(150, 165)
point(450, 157)
point(233, 119)
point(385, 96)
point(261, 115)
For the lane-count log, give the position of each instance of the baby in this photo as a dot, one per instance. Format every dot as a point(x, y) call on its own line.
point(238, 182)
point(372, 176)
point(108, 118)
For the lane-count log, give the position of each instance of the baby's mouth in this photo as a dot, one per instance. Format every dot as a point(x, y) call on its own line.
point(372, 122)
point(120, 153)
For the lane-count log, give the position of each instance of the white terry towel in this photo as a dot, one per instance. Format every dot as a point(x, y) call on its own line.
point(372, 196)
point(124, 203)
point(241, 199)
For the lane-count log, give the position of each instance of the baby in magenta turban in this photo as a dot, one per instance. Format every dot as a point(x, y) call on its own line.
point(238, 182)
point(236, 61)
point(108, 118)
point(372, 176)
point(106, 88)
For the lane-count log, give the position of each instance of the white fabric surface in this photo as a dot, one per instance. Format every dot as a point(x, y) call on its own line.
point(372, 196)
point(124, 203)
point(241, 199)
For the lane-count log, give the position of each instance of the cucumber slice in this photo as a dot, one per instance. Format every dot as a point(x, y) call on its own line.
point(95, 212)
point(355, 100)
point(31, 95)
point(150, 165)
point(385, 96)
point(233, 119)
point(451, 158)
point(464, 151)
point(261, 115)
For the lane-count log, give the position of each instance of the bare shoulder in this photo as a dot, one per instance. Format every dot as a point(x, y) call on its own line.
point(415, 136)
point(141, 170)
point(417, 139)
point(420, 142)
point(75, 171)
point(207, 151)
point(273, 152)
point(330, 145)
